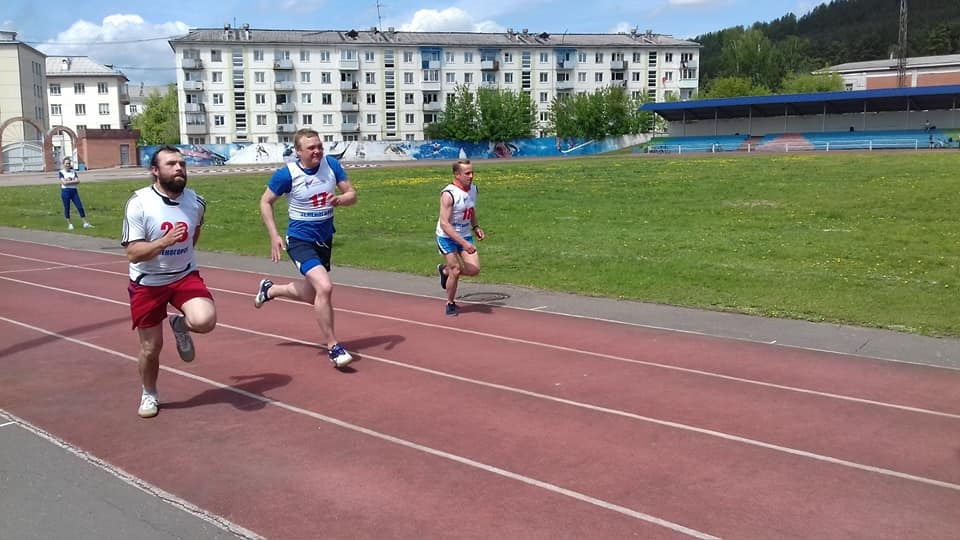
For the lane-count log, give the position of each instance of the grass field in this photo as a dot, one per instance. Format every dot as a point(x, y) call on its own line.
point(859, 238)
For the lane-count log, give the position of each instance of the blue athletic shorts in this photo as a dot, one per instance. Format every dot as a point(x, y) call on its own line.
point(446, 245)
point(308, 255)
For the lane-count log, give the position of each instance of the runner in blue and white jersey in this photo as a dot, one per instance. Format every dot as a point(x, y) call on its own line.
point(314, 186)
point(455, 231)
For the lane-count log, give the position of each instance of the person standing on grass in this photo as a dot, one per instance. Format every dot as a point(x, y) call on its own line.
point(161, 226)
point(69, 179)
point(455, 232)
point(311, 184)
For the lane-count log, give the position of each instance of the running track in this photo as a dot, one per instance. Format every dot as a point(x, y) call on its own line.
point(502, 423)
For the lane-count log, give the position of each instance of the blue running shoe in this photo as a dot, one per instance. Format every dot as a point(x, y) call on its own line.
point(262, 294)
point(443, 277)
point(339, 356)
point(452, 310)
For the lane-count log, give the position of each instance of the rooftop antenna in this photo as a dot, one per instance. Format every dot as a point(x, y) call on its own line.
point(379, 18)
point(902, 47)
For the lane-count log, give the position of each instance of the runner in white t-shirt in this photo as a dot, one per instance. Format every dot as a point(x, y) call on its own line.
point(455, 231)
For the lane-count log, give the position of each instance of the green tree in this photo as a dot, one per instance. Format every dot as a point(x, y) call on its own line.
point(803, 83)
point(752, 55)
point(487, 115)
point(159, 123)
point(605, 112)
point(725, 87)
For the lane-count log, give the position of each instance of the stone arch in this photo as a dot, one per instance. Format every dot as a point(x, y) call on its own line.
point(50, 161)
point(47, 146)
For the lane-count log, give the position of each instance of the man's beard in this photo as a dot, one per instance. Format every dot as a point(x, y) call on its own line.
point(175, 184)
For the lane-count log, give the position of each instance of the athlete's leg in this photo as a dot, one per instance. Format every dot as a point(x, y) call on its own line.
point(199, 314)
point(148, 360)
point(471, 263)
point(65, 198)
point(319, 280)
point(452, 270)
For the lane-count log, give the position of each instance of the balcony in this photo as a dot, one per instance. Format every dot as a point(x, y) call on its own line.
point(196, 128)
point(432, 86)
point(191, 63)
point(194, 107)
point(565, 85)
point(350, 127)
point(347, 86)
point(432, 106)
point(192, 86)
point(286, 128)
point(283, 86)
point(430, 64)
point(489, 65)
point(347, 106)
point(349, 64)
point(283, 64)
point(286, 107)
point(564, 65)
point(618, 65)
point(618, 83)
point(689, 84)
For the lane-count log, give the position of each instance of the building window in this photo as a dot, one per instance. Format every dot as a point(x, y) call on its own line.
point(103, 88)
point(134, 109)
point(79, 88)
point(668, 57)
point(371, 119)
point(218, 98)
point(544, 58)
point(307, 119)
point(429, 118)
point(409, 118)
point(582, 58)
point(55, 110)
point(407, 57)
point(216, 55)
point(258, 55)
point(598, 77)
point(261, 119)
point(81, 127)
point(327, 119)
point(407, 77)
point(371, 98)
point(508, 78)
point(468, 58)
point(408, 99)
point(104, 126)
point(369, 56)
point(468, 78)
point(304, 56)
point(324, 56)
point(216, 76)
point(598, 58)
point(544, 97)
point(544, 77)
point(305, 77)
point(325, 77)
point(451, 78)
point(306, 98)
point(104, 108)
point(370, 78)
point(507, 58)
point(80, 109)
point(55, 89)
point(260, 99)
point(219, 120)
point(326, 99)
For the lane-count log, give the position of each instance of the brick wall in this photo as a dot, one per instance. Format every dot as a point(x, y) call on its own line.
point(104, 148)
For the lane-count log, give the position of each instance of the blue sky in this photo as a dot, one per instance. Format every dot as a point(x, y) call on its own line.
point(132, 36)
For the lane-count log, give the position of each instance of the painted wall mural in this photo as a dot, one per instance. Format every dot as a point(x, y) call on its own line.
point(207, 155)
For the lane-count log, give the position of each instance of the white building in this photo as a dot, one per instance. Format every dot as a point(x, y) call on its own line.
point(920, 71)
point(22, 95)
point(138, 96)
point(260, 86)
point(84, 95)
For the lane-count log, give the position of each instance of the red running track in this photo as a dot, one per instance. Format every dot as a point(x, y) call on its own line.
point(502, 423)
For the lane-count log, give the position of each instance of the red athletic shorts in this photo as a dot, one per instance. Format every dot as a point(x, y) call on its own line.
point(148, 305)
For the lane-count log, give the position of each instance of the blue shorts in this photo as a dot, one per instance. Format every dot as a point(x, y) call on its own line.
point(447, 245)
point(308, 255)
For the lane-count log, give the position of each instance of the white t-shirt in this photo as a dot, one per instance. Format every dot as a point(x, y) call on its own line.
point(462, 215)
point(148, 216)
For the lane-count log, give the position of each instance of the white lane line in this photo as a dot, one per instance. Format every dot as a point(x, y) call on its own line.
point(520, 391)
point(581, 352)
point(138, 483)
point(389, 438)
point(7, 424)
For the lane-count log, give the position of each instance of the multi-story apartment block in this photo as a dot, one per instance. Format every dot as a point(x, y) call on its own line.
point(22, 95)
point(260, 86)
point(85, 95)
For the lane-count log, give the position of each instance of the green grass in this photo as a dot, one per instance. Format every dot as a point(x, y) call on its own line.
point(862, 239)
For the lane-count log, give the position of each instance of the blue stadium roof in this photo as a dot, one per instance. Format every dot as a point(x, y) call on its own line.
point(888, 99)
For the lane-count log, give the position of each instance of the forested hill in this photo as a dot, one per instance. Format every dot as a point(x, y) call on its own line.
point(835, 33)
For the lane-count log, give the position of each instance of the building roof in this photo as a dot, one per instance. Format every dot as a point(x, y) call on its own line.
point(887, 99)
point(372, 36)
point(918, 62)
point(79, 66)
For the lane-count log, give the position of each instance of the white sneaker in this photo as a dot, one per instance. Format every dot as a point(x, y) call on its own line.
point(182, 335)
point(69, 226)
point(87, 226)
point(149, 406)
point(339, 356)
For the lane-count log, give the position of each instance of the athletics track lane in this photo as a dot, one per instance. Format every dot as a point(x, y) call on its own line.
point(654, 434)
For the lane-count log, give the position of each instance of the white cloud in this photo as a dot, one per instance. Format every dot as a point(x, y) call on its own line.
point(448, 20)
point(136, 47)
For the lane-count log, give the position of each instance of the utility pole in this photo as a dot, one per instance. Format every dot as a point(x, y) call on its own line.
point(902, 47)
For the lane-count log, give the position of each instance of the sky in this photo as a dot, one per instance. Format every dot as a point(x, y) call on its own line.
point(133, 36)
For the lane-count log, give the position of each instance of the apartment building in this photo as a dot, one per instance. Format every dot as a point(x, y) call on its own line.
point(240, 85)
point(22, 95)
point(84, 95)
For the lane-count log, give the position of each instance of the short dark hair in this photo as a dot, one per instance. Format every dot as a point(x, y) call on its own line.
point(304, 133)
point(458, 163)
point(154, 160)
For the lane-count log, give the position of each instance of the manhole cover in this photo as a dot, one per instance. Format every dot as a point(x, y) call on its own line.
point(482, 297)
